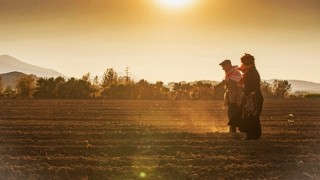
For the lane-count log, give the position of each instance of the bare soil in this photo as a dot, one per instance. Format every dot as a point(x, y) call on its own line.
point(99, 139)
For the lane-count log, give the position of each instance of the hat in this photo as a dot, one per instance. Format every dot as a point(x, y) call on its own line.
point(225, 62)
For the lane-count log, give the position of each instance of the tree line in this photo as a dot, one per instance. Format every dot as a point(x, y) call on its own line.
point(111, 86)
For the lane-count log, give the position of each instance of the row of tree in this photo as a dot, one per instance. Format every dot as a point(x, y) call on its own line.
point(114, 87)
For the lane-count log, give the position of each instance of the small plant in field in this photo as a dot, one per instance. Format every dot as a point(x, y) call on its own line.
point(85, 177)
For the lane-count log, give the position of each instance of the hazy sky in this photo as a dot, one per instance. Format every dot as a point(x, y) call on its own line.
point(164, 43)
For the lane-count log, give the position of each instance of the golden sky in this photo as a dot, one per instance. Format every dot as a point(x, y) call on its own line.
point(163, 43)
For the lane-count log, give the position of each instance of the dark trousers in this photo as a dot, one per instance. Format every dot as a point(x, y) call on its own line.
point(254, 127)
point(233, 110)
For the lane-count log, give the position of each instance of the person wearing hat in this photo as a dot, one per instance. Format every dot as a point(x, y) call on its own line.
point(232, 96)
point(252, 102)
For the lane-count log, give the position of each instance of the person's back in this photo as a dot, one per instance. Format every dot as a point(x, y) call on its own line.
point(233, 92)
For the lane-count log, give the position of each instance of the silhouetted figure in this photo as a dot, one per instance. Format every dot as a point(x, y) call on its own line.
point(232, 97)
point(252, 101)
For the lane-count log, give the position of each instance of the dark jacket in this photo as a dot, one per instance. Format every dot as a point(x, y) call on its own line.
point(251, 125)
point(252, 84)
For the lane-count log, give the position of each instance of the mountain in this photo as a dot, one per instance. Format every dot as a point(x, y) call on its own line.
point(299, 85)
point(11, 78)
point(296, 85)
point(11, 64)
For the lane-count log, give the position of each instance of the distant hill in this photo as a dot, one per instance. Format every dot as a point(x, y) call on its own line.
point(296, 85)
point(299, 85)
point(11, 64)
point(10, 79)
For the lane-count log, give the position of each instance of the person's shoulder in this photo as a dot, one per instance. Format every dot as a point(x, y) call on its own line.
point(237, 71)
point(255, 70)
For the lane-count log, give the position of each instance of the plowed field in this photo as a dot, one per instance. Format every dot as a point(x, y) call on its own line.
point(97, 139)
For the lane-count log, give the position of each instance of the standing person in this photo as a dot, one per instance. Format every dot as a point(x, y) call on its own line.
point(253, 100)
point(233, 93)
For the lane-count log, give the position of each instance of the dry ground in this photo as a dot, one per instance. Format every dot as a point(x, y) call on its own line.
point(97, 139)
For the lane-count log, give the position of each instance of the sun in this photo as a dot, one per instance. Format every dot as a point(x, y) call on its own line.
point(175, 3)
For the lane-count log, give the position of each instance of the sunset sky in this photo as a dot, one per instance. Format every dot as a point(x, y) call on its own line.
point(159, 41)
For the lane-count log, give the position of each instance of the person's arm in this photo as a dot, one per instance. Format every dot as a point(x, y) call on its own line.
point(220, 85)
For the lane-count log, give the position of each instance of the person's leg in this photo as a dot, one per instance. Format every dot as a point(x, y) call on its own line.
point(232, 113)
point(232, 129)
point(256, 133)
point(254, 128)
point(257, 128)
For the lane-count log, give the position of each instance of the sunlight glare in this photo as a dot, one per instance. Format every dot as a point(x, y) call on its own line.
point(143, 175)
point(175, 3)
